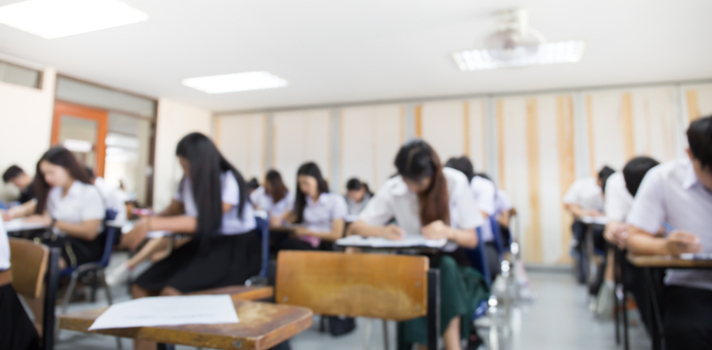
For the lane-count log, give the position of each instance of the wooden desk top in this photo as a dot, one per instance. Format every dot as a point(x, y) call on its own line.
point(261, 326)
point(668, 262)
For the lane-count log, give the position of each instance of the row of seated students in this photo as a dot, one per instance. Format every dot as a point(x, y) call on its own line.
point(212, 207)
point(662, 209)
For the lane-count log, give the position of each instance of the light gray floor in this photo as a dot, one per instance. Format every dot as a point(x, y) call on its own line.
point(558, 319)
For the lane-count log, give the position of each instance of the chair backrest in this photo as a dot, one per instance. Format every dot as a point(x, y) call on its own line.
point(382, 286)
point(28, 262)
point(497, 234)
point(111, 233)
point(478, 258)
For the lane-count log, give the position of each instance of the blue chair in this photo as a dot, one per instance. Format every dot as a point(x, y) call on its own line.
point(263, 229)
point(478, 259)
point(497, 236)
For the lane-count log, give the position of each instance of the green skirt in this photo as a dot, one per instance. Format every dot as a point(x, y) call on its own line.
point(462, 289)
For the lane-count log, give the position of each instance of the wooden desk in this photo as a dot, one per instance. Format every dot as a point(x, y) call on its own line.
point(261, 326)
point(662, 262)
point(668, 262)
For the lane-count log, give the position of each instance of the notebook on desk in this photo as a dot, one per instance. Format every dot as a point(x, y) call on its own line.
point(378, 242)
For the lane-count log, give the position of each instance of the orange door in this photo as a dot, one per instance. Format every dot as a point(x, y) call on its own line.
point(82, 130)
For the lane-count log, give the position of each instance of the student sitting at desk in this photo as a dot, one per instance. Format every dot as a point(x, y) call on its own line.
point(585, 199)
point(211, 203)
point(484, 192)
point(69, 204)
point(433, 202)
point(114, 198)
point(620, 190)
point(273, 197)
point(357, 196)
point(678, 195)
point(18, 177)
point(16, 329)
point(320, 213)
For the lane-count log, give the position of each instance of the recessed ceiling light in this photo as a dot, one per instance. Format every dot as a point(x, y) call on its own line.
point(546, 53)
point(218, 84)
point(52, 19)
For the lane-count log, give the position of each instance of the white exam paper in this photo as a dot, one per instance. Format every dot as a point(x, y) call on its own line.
point(168, 311)
point(21, 225)
point(126, 228)
point(378, 242)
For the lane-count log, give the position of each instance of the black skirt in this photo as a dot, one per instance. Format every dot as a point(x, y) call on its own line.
point(76, 251)
point(230, 260)
point(16, 330)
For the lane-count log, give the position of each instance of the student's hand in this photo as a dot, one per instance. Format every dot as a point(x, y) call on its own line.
point(6, 216)
point(393, 233)
point(594, 213)
point(45, 219)
point(133, 238)
point(301, 231)
point(275, 221)
point(616, 233)
point(437, 230)
point(681, 242)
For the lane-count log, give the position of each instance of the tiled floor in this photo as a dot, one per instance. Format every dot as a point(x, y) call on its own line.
point(558, 319)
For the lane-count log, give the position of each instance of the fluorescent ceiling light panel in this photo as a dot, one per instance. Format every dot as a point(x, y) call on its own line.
point(52, 19)
point(547, 53)
point(218, 84)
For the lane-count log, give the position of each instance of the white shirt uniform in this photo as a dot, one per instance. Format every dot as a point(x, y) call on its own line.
point(617, 200)
point(502, 202)
point(113, 199)
point(484, 192)
point(265, 202)
point(395, 201)
point(232, 224)
point(82, 203)
point(670, 193)
point(318, 217)
point(4, 248)
point(585, 193)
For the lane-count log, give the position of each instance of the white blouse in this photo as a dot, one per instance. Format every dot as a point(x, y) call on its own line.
point(232, 224)
point(265, 202)
point(395, 201)
point(319, 215)
point(585, 193)
point(82, 203)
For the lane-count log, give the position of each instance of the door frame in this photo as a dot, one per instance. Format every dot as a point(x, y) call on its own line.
point(83, 112)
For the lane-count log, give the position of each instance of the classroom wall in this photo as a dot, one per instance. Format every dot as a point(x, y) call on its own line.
point(25, 126)
point(175, 120)
point(534, 145)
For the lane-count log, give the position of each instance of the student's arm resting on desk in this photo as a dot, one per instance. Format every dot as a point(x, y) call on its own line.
point(337, 231)
point(439, 230)
point(173, 209)
point(86, 230)
point(641, 242)
point(26, 209)
point(579, 212)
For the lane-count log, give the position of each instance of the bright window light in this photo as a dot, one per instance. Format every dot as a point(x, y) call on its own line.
point(52, 19)
point(547, 53)
point(79, 146)
point(218, 84)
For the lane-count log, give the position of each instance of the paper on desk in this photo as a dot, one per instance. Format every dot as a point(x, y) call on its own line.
point(378, 242)
point(168, 311)
point(601, 220)
point(21, 225)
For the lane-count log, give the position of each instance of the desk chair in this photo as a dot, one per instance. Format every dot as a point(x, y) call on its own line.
point(263, 229)
point(391, 287)
point(35, 266)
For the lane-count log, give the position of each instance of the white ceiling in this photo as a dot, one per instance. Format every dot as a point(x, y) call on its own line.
point(365, 50)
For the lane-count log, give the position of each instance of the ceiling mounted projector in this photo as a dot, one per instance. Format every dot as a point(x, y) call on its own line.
point(515, 44)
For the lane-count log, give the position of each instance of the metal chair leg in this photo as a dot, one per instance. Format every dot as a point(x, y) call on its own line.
point(385, 334)
point(433, 318)
point(69, 292)
point(367, 333)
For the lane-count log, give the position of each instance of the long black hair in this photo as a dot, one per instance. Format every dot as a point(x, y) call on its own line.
point(463, 164)
point(61, 156)
point(699, 137)
point(300, 202)
point(415, 161)
point(206, 166)
point(277, 188)
point(355, 184)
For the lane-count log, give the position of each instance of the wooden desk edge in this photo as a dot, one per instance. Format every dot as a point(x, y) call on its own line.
point(666, 261)
point(197, 339)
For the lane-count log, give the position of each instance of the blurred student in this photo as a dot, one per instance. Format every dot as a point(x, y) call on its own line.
point(319, 214)
point(677, 195)
point(273, 197)
point(71, 207)
point(621, 188)
point(16, 176)
point(585, 199)
point(357, 196)
point(433, 202)
point(503, 211)
point(114, 198)
point(484, 192)
point(211, 204)
point(16, 329)
point(253, 185)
